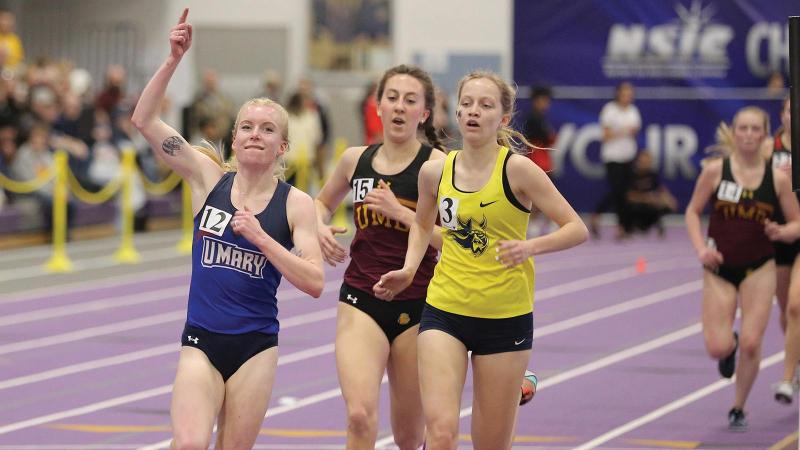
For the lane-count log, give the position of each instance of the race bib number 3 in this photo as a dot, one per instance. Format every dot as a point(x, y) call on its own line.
point(729, 191)
point(214, 220)
point(361, 187)
point(448, 210)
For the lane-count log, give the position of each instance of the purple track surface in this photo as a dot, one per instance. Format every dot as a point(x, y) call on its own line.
point(87, 359)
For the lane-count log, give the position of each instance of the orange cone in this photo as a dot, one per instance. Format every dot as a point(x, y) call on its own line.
point(641, 265)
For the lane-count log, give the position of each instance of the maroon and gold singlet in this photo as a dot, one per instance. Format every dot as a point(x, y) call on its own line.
point(737, 220)
point(380, 243)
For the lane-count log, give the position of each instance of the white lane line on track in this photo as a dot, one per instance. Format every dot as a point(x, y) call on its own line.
point(152, 352)
point(111, 302)
point(94, 305)
point(71, 336)
point(593, 366)
point(142, 277)
point(546, 266)
point(619, 308)
point(89, 365)
point(556, 379)
point(573, 322)
point(611, 277)
point(87, 264)
point(137, 396)
point(75, 249)
point(136, 323)
point(672, 406)
point(620, 258)
point(543, 294)
point(307, 401)
point(110, 403)
point(556, 327)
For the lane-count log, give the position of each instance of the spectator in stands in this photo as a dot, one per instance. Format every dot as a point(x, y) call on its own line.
point(208, 130)
point(648, 199)
point(306, 87)
point(371, 123)
point(106, 166)
point(129, 137)
point(272, 86)
point(621, 123)
point(10, 108)
point(441, 120)
point(8, 151)
point(114, 90)
point(80, 84)
point(76, 119)
point(776, 84)
point(9, 39)
point(34, 159)
point(305, 135)
point(537, 128)
point(45, 109)
point(210, 103)
point(538, 131)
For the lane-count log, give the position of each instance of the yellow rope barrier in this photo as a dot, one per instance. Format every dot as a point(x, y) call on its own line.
point(59, 261)
point(300, 168)
point(163, 187)
point(28, 186)
point(102, 196)
point(126, 253)
point(187, 221)
point(339, 218)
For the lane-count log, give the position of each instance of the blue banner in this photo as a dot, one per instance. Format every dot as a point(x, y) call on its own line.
point(693, 63)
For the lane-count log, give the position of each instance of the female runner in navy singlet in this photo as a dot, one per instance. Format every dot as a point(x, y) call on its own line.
point(251, 229)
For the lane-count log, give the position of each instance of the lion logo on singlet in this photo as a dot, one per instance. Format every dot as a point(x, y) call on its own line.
point(471, 236)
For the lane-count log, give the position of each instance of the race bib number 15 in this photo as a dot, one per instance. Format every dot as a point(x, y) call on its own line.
point(361, 187)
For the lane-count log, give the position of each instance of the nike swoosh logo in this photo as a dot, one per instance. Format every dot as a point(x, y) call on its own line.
point(520, 342)
point(487, 204)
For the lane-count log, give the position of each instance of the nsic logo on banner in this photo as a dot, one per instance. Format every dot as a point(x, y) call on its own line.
point(690, 46)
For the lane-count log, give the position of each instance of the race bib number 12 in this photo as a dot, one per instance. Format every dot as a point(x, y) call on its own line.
point(214, 220)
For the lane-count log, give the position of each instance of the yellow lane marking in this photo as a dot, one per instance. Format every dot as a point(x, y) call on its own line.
point(282, 432)
point(111, 428)
point(663, 443)
point(88, 428)
point(786, 443)
point(522, 438)
point(301, 433)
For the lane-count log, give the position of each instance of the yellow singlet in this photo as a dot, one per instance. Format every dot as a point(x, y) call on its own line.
point(469, 280)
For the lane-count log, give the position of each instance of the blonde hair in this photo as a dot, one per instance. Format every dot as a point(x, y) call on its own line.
point(283, 122)
point(506, 136)
point(214, 153)
point(726, 144)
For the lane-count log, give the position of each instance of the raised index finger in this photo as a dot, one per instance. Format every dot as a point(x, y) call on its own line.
point(183, 16)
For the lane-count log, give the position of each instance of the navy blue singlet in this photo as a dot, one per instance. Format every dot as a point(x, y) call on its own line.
point(233, 284)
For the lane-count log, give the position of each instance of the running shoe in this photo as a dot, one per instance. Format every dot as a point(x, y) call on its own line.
point(784, 391)
point(529, 383)
point(727, 365)
point(736, 420)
